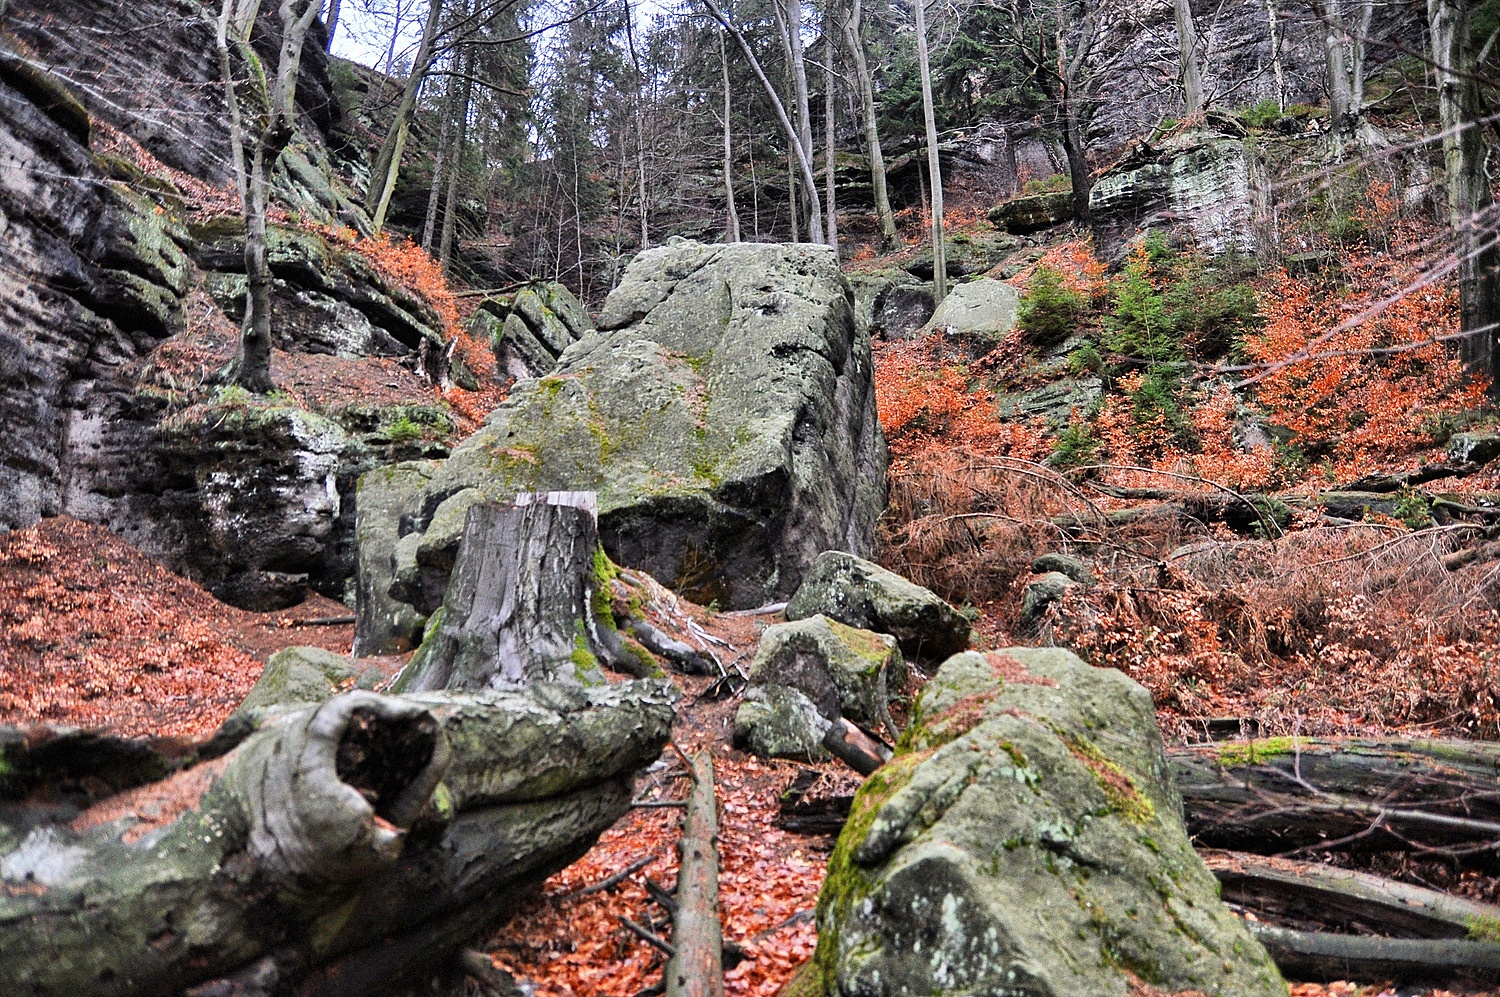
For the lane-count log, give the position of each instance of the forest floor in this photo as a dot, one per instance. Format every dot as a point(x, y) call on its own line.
point(94, 634)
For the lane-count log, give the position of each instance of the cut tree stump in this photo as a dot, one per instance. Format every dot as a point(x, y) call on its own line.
point(528, 600)
point(697, 969)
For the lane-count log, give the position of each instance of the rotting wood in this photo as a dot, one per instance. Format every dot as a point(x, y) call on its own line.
point(1308, 895)
point(697, 970)
point(855, 748)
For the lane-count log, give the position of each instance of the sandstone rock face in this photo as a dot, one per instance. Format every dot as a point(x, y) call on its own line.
point(724, 413)
point(529, 332)
point(1197, 183)
point(1024, 215)
point(890, 304)
point(862, 594)
point(1026, 839)
point(384, 625)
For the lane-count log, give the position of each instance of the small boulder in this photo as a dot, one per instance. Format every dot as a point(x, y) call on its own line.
point(1027, 839)
point(902, 311)
point(862, 594)
point(1062, 563)
point(777, 721)
point(1041, 593)
point(307, 675)
point(1473, 448)
point(844, 671)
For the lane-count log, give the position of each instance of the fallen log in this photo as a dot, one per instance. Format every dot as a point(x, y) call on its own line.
point(339, 849)
point(1314, 956)
point(696, 969)
point(1286, 795)
point(525, 601)
point(1310, 896)
point(855, 748)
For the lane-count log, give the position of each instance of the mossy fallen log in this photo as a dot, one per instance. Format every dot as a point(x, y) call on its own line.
point(338, 849)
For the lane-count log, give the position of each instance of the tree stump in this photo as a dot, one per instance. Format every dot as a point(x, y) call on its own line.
point(528, 600)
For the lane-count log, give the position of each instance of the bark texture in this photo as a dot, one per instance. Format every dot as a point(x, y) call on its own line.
point(527, 600)
point(697, 969)
point(338, 849)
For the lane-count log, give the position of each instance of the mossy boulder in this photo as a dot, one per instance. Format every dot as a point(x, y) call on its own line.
point(1027, 839)
point(307, 675)
point(530, 330)
point(724, 413)
point(777, 721)
point(383, 624)
point(1044, 590)
point(862, 594)
point(844, 671)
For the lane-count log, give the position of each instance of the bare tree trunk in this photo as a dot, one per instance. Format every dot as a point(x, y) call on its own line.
point(1187, 50)
point(640, 131)
point(934, 171)
point(854, 39)
point(795, 148)
point(1470, 203)
point(456, 169)
point(829, 208)
point(1341, 128)
point(732, 229)
point(388, 161)
point(1278, 71)
point(435, 192)
point(275, 125)
point(789, 20)
point(792, 194)
point(331, 22)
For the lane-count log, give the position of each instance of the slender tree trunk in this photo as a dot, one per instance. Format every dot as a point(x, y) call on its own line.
point(388, 162)
point(732, 228)
point(697, 970)
point(1187, 50)
point(854, 40)
point(1278, 71)
point(1078, 163)
point(435, 192)
point(332, 23)
point(1340, 96)
point(456, 168)
point(1470, 204)
point(829, 208)
point(640, 131)
point(803, 158)
point(791, 194)
point(276, 123)
point(789, 19)
point(934, 171)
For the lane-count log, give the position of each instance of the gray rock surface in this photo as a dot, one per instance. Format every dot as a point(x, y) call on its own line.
point(1054, 401)
point(778, 721)
point(1034, 212)
point(982, 309)
point(1042, 592)
point(1063, 564)
point(1027, 839)
point(724, 413)
point(306, 675)
point(844, 671)
point(529, 331)
point(890, 304)
point(1196, 183)
point(862, 594)
point(384, 625)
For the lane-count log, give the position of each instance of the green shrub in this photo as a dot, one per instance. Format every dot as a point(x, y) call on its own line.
point(1075, 445)
point(404, 430)
point(1262, 115)
point(1140, 327)
point(1087, 359)
point(1057, 183)
point(232, 395)
point(1049, 312)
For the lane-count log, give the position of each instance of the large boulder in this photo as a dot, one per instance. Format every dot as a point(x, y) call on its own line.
point(529, 331)
point(1034, 212)
point(984, 310)
point(1195, 183)
point(890, 304)
point(862, 594)
point(1027, 839)
point(724, 413)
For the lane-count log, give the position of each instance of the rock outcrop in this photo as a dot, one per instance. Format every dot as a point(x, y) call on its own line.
point(1027, 839)
point(890, 304)
point(1197, 183)
point(724, 412)
point(529, 331)
point(1033, 213)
